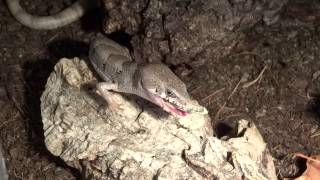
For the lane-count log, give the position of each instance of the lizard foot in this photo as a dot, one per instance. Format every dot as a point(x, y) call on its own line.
point(114, 107)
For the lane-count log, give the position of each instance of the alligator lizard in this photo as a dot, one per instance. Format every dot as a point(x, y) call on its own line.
point(154, 82)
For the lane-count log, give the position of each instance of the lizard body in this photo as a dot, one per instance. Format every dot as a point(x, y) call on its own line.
point(154, 82)
point(67, 16)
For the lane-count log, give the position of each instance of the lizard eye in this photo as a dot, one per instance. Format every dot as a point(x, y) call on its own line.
point(170, 93)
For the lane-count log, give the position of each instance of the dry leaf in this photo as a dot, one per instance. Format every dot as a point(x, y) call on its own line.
point(313, 168)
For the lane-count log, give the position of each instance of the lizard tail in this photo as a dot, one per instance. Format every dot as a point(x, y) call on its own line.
point(67, 16)
point(3, 170)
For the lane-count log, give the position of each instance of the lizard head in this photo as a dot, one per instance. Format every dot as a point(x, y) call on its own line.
point(165, 89)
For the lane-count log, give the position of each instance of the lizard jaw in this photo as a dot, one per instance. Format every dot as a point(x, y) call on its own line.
point(169, 107)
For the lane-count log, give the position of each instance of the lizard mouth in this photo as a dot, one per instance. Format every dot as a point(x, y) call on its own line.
point(170, 106)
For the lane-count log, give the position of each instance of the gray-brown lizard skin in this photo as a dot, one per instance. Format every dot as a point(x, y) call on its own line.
point(153, 81)
point(114, 64)
point(67, 16)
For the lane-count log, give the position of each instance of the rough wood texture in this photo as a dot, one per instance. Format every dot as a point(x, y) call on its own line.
point(140, 142)
point(187, 31)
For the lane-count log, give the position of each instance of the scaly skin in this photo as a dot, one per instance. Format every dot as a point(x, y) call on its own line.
point(154, 82)
point(65, 17)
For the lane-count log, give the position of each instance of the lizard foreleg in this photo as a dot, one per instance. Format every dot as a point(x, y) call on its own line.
point(103, 89)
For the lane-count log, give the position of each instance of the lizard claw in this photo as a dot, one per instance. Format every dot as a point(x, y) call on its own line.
point(114, 106)
point(112, 109)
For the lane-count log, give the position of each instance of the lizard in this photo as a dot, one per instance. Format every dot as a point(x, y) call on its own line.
point(154, 82)
point(65, 17)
